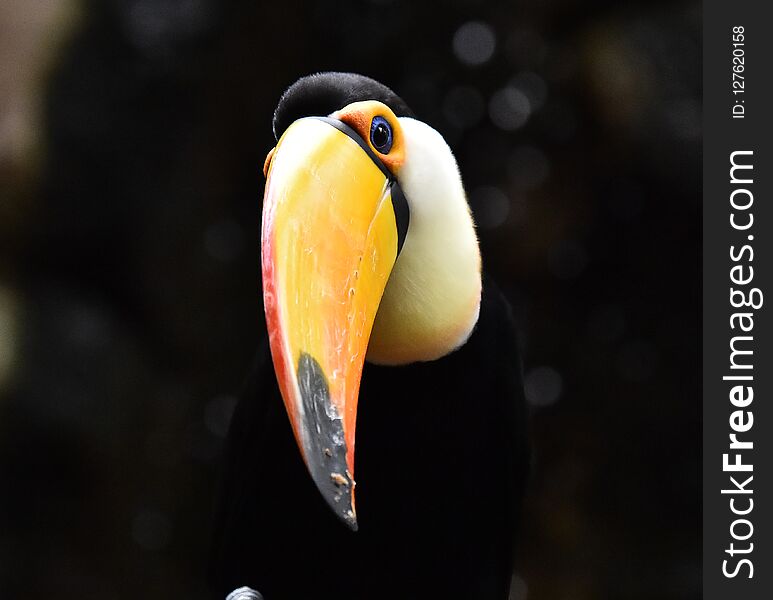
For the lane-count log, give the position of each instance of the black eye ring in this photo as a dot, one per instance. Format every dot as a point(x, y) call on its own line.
point(381, 135)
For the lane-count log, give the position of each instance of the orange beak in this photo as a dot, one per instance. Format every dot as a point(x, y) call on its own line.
point(330, 237)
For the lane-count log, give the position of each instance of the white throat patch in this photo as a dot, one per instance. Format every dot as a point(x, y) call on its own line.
point(432, 300)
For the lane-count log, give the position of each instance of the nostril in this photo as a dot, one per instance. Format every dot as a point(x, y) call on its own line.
point(267, 162)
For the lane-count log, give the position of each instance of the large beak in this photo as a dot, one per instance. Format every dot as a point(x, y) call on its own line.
point(329, 242)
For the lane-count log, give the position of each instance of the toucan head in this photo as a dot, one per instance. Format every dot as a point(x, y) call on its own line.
point(368, 252)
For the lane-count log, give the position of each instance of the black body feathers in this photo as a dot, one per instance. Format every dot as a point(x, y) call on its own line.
point(441, 463)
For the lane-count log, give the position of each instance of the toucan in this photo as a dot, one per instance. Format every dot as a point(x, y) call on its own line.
point(379, 318)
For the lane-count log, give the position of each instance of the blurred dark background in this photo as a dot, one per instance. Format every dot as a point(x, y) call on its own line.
point(132, 136)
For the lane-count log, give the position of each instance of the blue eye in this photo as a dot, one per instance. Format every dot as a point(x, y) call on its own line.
point(381, 134)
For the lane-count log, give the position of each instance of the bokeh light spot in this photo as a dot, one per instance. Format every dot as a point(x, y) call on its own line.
point(532, 86)
point(474, 43)
point(509, 109)
point(543, 386)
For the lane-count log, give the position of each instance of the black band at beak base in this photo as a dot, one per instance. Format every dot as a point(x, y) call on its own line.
point(399, 203)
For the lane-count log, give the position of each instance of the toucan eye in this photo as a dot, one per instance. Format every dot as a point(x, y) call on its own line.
point(381, 134)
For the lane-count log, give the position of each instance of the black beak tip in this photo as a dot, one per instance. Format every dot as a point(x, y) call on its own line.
point(351, 520)
point(336, 489)
point(325, 448)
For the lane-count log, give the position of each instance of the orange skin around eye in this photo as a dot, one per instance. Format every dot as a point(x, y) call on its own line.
point(358, 116)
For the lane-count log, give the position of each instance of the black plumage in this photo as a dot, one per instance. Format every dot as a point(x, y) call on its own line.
point(324, 93)
point(441, 464)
